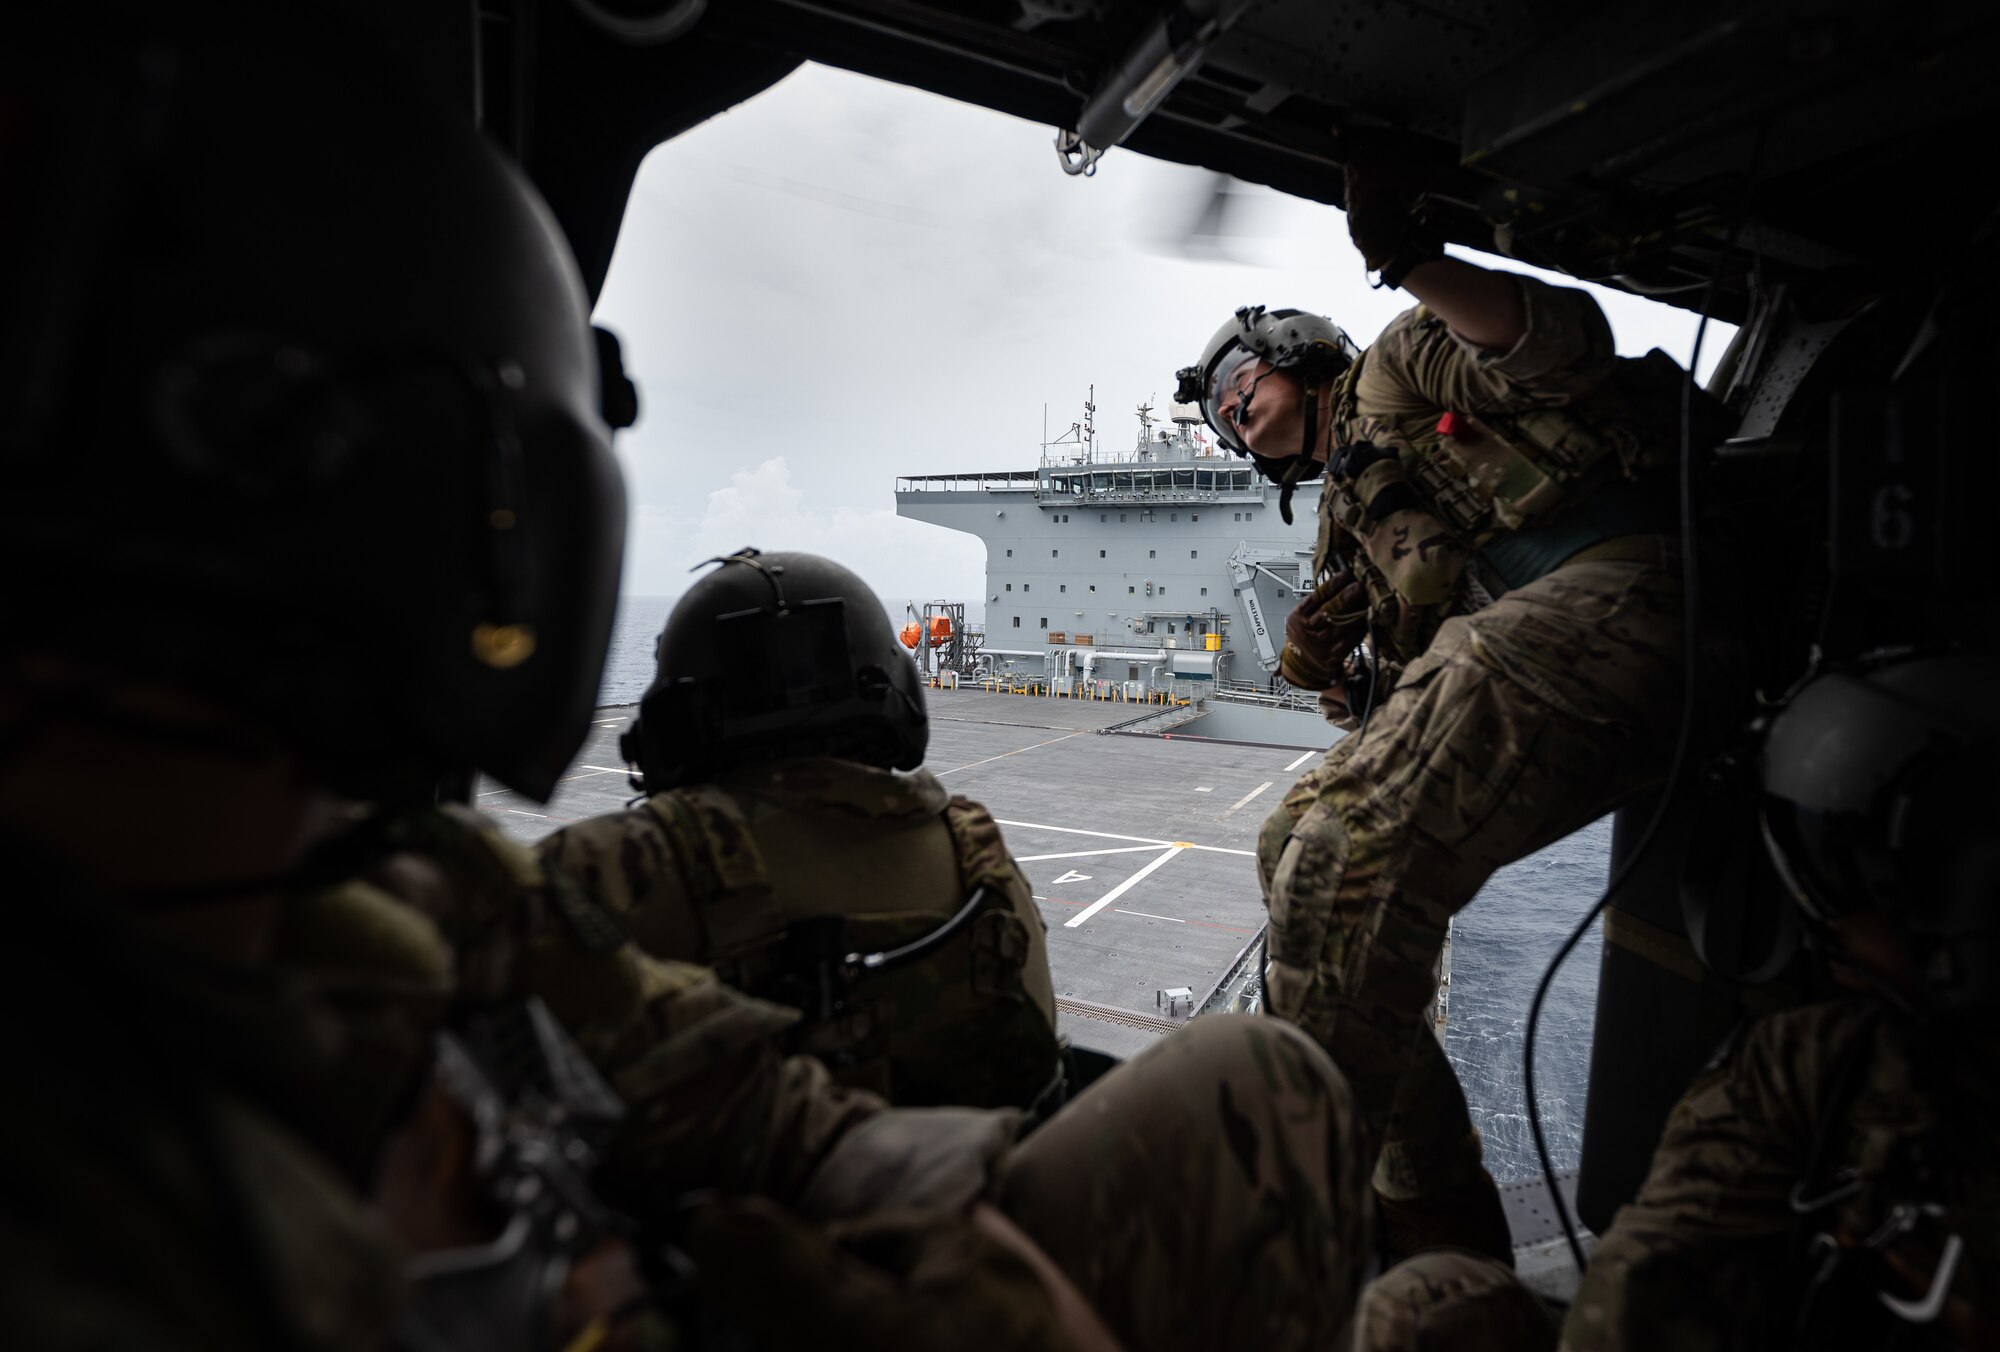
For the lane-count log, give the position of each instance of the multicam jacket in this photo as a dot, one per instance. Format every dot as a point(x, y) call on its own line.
point(1458, 473)
point(781, 866)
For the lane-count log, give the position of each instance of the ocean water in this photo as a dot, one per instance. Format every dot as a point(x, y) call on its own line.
point(628, 668)
point(1501, 942)
point(1500, 945)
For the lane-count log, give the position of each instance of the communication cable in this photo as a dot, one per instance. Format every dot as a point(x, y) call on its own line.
point(1683, 739)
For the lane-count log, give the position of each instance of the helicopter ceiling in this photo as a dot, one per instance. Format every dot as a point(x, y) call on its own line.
point(1617, 142)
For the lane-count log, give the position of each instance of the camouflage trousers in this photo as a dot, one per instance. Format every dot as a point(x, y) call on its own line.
point(1519, 724)
point(1451, 1301)
point(1207, 1193)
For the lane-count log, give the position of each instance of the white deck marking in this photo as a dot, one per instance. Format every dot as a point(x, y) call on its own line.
point(523, 812)
point(1303, 759)
point(1085, 854)
point(1111, 835)
point(1124, 887)
point(1079, 831)
point(1148, 914)
point(1071, 877)
point(1005, 754)
point(606, 769)
point(1204, 789)
point(1246, 798)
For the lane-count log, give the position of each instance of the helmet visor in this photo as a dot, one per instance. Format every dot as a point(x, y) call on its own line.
point(1228, 393)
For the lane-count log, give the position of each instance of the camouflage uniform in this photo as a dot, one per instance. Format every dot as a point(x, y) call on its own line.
point(1125, 1189)
point(1711, 1253)
point(721, 874)
point(181, 1155)
point(1514, 721)
point(1451, 1301)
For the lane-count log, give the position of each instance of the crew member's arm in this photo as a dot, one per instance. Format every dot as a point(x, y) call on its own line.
point(1484, 308)
point(1507, 342)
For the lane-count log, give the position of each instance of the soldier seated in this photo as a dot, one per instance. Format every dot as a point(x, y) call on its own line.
point(1830, 1180)
point(789, 823)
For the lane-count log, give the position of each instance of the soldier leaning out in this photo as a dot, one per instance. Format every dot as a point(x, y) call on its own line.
point(1498, 514)
point(788, 824)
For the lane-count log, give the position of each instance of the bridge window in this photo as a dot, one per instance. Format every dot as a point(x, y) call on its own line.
point(1010, 586)
point(1024, 586)
point(1010, 553)
point(1129, 591)
point(1194, 516)
point(1194, 553)
point(1152, 553)
point(1053, 553)
point(1017, 621)
point(1093, 589)
point(1204, 591)
point(1100, 553)
point(1063, 587)
point(1170, 626)
point(1042, 623)
point(1173, 516)
point(1104, 516)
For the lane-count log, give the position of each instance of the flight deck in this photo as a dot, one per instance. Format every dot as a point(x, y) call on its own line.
point(1140, 850)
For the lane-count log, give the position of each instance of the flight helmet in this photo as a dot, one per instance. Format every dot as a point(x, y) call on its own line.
point(1308, 347)
point(773, 656)
point(1879, 794)
point(300, 408)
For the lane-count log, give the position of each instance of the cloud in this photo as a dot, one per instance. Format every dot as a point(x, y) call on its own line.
point(761, 506)
point(842, 280)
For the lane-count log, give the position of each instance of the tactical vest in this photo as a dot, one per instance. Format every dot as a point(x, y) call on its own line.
point(1441, 519)
point(972, 1024)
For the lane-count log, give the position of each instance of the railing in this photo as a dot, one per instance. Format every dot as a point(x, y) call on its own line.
point(1242, 692)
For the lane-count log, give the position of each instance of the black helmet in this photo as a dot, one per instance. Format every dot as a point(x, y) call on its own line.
point(1306, 346)
point(773, 656)
point(300, 407)
point(1879, 787)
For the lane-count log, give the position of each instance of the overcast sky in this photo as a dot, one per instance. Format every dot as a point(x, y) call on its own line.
point(844, 280)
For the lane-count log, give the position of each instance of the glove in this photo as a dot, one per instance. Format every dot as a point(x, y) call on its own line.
point(1381, 221)
point(1322, 631)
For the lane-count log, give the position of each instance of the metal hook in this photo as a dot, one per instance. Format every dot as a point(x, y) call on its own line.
point(1075, 155)
point(1927, 1310)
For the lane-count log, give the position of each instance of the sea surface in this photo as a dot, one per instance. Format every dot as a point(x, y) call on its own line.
point(1501, 943)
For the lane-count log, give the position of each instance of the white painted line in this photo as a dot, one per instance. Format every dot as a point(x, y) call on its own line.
point(1204, 789)
point(1085, 854)
point(1246, 798)
point(1303, 759)
point(608, 723)
point(607, 769)
point(1124, 887)
point(1005, 754)
point(1075, 831)
point(1107, 835)
point(522, 812)
point(1148, 914)
point(490, 792)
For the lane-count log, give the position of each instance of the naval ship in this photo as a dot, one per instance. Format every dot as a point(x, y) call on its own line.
point(1159, 575)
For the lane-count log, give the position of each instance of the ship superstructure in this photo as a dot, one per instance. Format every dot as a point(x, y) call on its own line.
point(1166, 566)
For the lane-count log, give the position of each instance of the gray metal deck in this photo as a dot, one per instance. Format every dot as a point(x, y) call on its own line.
point(1140, 850)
